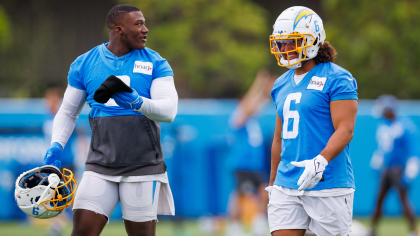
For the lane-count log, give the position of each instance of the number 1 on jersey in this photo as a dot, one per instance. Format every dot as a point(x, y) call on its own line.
point(288, 114)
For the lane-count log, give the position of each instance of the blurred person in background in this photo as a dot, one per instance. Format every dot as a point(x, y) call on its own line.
point(130, 89)
point(53, 98)
point(248, 202)
point(395, 157)
point(311, 185)
point(75, 151)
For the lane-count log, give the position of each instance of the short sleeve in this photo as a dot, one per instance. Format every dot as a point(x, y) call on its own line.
point(410, 136)
point(74, 78)
point(278, 84)
point(275, 91)
point(274, 95)
point(162, 69)
point(343, 87)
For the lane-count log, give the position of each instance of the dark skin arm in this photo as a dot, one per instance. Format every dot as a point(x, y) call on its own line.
point(343, 115)
point(275, 150)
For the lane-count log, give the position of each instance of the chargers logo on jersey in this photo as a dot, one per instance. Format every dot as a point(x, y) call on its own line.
point(302, 14)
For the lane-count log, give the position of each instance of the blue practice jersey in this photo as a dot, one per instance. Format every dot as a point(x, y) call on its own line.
point(138, 70)
point(307, 126)
point(247, 148)
point(395, 141)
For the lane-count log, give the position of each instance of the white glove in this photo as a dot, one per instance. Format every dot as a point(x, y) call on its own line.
point(412, 167)
point(312, 174)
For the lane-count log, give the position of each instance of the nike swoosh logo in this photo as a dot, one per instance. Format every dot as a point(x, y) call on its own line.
point(316, 167)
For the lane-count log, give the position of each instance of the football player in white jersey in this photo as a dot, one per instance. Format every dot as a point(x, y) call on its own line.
point(311, 183)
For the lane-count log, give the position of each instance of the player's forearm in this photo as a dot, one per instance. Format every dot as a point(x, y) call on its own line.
point(337, 142)
point(63, 127)
point(162, 110)
point(65, 119)
point(163, 105)
point(275, 159)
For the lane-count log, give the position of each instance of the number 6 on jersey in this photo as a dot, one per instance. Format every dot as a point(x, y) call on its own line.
point(288, 114)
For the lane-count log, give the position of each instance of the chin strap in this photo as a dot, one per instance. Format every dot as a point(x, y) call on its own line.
point(53, 181)
point(298, 65)
point(285, 62)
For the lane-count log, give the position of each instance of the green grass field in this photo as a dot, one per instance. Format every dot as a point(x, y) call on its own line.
point(112, 229)
point(388, 227)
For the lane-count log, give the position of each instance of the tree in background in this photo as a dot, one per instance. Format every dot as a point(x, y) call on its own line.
point(215, 47)
point(47, 37)
point(377, 41)
point(5, 36)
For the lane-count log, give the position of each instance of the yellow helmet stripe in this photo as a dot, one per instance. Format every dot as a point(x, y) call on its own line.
point(303, 13)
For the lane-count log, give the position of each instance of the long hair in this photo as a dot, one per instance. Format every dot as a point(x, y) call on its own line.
point(326, 53)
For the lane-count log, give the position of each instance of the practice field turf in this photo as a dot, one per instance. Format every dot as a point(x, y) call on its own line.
point(388, 227)
point(165, 228)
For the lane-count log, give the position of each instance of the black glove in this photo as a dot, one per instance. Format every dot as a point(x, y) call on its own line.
point(110, 86)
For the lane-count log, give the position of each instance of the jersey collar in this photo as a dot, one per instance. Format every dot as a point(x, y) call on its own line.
point(307, 76)
point(111, 55)
point(107, 56)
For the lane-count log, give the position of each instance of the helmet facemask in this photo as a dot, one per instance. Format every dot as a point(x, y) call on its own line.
point(301, 44)
point(63, 193)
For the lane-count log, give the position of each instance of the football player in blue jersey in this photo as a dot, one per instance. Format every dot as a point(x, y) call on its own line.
point(125, 159)
point(395, 157)
point(247, 160)
point(311, 184)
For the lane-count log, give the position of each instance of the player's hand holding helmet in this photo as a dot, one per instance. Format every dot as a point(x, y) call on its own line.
point(297, 36)
point(314, 169)
point(53, 155)
point(44, 192)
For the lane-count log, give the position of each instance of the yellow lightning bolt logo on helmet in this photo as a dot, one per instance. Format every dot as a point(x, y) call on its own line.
point(303, 14)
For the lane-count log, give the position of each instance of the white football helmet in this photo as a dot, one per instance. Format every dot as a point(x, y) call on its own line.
point(299, 26)
point(44, 192)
